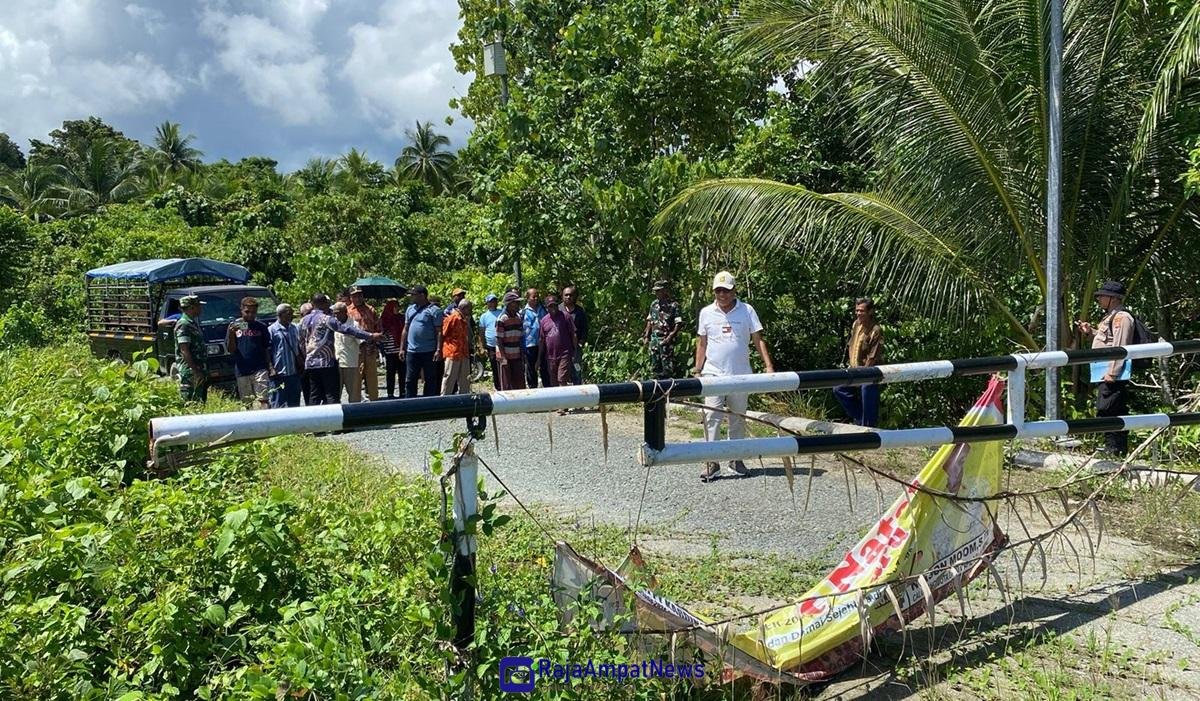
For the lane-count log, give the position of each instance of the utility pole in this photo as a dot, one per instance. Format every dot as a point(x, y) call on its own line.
point(494, 64)
point(1054, 201)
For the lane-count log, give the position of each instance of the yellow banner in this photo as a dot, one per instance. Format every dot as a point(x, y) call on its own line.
point(946, 540)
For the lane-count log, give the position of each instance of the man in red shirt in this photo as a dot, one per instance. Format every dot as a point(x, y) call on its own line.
point(456, 350)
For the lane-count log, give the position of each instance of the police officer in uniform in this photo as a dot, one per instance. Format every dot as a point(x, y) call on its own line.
point(190, 355)
point(663, 324)
point(1115, 329)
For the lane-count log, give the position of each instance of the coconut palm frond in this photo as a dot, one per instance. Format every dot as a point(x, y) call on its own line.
point(908, 259)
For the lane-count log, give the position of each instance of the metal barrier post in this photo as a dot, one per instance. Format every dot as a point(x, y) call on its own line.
point(1016, 395)
point(462, 585)
point(654, 422)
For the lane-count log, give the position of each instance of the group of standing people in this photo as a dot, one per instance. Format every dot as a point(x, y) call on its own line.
point(334, 350)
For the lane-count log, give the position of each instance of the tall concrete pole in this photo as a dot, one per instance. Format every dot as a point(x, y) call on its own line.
point(504, 105)
point(1054, 200)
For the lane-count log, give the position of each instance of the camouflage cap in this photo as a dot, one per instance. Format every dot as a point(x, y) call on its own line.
point(189, 301)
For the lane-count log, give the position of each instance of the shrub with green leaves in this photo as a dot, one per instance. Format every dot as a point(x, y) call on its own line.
point(285, 567)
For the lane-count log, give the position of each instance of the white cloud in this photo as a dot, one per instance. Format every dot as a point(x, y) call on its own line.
point(46, 84)
point(152, 19)
point(277, 67)
point(400, 67)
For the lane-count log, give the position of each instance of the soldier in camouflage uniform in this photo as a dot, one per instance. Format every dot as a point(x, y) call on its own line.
point(663, 324)
point(190, 355)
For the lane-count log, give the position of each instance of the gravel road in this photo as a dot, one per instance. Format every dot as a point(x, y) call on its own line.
point(754, 514)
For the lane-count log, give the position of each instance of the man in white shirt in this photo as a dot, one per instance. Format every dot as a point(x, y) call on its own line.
point(727, 327)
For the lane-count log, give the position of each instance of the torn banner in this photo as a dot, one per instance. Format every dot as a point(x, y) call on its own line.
point(947, 541)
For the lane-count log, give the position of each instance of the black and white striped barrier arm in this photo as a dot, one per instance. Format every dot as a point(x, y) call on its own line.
point(207, 429)
point(747, 448)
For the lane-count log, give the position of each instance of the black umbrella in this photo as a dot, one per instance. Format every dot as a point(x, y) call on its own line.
point(378, 287)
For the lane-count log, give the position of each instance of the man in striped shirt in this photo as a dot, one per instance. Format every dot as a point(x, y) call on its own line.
point(510, 343)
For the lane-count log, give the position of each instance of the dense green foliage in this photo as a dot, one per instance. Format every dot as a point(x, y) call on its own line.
point(289, 567)
point(952, 97)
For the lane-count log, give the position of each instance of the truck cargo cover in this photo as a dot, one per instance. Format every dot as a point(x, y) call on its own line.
point(167, 269)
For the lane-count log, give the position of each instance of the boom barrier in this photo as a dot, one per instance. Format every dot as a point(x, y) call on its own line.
point(236, 426)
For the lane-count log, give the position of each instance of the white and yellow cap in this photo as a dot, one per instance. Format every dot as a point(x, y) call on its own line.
point(723, 280)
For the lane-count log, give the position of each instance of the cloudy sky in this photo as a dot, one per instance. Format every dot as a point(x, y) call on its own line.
point(289, 79)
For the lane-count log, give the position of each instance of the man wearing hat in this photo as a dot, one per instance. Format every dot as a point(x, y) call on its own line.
point(1115, 329)
point(725, 331)
point(558, 344)
point(510, 343)
point(248, 340)
point(487, 327)
point(367, 319)
point(663, 324)
point(190, 354)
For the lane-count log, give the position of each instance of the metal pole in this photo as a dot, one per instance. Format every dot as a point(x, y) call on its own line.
point(504, 105)
point(654, 422)
point(462, 587)
point(1053, 201)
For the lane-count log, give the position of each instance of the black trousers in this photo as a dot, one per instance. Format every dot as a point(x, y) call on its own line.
point(304, 388)
point(1112, 399)
point(395, 373)
point(495, 364)
point(533, 368)
point(421, 366)
point(324, 385)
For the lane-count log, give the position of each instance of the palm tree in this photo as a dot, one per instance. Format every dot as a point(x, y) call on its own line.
point(102, 174)
point(173, 151)
point(951, 94)
point(356, 170)
point(32, 190)
point(425, 160)
point(317, 176)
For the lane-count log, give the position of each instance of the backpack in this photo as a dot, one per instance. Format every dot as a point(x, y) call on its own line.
point(1141, 334)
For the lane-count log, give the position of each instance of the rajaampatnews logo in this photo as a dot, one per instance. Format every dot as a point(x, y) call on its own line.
point(518, 675)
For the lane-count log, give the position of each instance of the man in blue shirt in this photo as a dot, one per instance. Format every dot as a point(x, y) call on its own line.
point(531, 317)
point(248, 342)
point(286, 359)
point(487, 324)
point(421, 343)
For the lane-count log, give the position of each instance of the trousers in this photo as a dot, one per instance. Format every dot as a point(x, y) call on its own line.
point(736, 403)
point(861, 404)
point(1112, 399)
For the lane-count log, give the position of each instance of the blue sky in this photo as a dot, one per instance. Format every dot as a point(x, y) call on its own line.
point(288, 79)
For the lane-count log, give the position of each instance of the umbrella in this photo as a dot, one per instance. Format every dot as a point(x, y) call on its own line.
point(377, 287)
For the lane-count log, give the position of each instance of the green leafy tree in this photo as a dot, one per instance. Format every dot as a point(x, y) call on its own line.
point(615, 107)
point(173, 151)
point(317, 176)
point(952, 96)
point(17, 242)
point(74, 139)
point(102, 174)
point(32, 190)
point(426, 158)
point(10, 153)
point(355, 170)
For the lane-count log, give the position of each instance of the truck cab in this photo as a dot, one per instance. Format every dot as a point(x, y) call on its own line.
point(133, 307)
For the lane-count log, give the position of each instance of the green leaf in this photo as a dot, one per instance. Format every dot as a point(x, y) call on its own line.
point(234, 519)
point(215, 614)
point(223, 542)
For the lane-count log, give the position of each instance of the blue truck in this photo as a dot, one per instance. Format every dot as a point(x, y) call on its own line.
point(133, 307)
